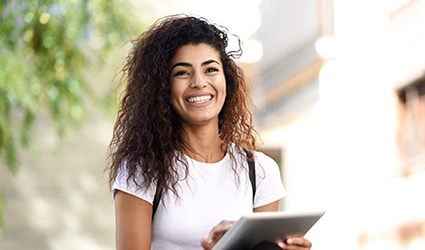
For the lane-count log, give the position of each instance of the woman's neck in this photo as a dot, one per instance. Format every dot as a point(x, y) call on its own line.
point(203, 144)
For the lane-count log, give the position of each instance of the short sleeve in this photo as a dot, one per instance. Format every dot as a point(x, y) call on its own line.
point(269, 182)
point(132, 188)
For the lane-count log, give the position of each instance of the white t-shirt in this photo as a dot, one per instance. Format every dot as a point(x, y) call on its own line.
point(211, 193)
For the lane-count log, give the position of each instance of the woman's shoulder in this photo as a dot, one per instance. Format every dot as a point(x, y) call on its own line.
point(266, 162)
point(262, 157)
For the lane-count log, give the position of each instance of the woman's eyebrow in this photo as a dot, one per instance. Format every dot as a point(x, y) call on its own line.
point(209, 62)
point(185, 64)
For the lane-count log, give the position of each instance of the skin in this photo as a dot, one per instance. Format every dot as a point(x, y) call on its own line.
point(198, 91)
point(197, 74)
point(133, 222)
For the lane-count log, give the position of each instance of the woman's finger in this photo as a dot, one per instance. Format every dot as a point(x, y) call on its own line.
point(216, 233)
point(300, 241)
point(295, 243)
point(206, 245)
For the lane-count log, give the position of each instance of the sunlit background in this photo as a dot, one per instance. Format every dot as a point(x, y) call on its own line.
point(339, 93)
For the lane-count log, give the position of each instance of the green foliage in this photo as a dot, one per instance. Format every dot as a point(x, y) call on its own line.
point(45, 46)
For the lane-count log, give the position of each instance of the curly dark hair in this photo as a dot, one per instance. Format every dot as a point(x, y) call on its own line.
point(148, 134)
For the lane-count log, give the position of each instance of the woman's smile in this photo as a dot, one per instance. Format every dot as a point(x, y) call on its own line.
point(198, 85)
point(199, 99)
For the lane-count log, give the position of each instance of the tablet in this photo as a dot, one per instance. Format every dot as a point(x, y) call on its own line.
point(266, 226)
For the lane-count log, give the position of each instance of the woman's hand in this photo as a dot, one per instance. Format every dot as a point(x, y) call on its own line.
point(215, 234)
point(295, 243)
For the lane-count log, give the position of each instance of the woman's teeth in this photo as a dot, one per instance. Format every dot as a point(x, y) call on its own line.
point(199, 99)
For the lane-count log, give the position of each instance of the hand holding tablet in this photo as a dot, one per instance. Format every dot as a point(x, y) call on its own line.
point(266, 226)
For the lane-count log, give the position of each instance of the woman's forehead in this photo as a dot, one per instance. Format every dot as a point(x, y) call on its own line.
point(196, 53)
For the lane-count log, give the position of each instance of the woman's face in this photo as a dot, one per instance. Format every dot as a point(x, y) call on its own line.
point(198, 85)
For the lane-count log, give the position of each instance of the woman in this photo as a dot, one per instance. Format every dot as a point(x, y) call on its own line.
point(181, 131)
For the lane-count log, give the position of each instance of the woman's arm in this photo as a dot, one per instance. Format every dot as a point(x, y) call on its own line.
point(133, 222)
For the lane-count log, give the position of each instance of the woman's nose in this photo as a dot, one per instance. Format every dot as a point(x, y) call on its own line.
point(198, 81)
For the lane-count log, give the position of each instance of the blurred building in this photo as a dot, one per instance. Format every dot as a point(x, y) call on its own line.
point(340, 96)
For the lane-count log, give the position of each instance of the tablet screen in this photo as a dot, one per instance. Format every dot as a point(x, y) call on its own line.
point(266, 226)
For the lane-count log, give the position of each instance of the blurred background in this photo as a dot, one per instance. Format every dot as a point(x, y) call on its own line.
point(339, 93)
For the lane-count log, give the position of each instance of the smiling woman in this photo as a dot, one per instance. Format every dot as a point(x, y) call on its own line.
point(198, 85)
point(181, 134)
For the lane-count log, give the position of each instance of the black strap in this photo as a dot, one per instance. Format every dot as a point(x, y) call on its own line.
point(156, 200)
point(251, 169)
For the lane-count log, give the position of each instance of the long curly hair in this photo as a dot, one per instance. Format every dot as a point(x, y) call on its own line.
point(148, 134)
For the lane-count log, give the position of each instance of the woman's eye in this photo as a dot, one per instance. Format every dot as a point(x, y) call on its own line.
point(181, 73)
point(212, 69)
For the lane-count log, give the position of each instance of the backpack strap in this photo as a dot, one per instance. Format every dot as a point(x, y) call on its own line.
point(251, 169)
point(156, 200)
